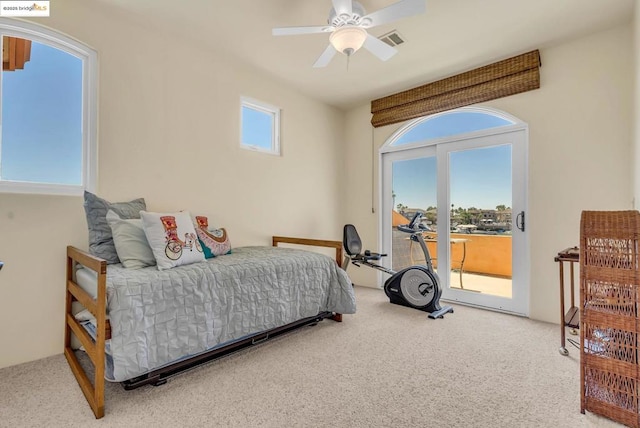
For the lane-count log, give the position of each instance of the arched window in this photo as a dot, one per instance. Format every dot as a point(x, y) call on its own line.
point(48, 104)
point(466, 171)
point(460, 121)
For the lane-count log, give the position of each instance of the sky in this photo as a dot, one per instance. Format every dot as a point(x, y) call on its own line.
point(479, 178)
point(41, 138)
point(256, 128)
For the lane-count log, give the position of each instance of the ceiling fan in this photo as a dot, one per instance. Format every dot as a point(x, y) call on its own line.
point(347, 24)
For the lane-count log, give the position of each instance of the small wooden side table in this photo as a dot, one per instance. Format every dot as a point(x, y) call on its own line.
point(572, 317)
point(432, 239)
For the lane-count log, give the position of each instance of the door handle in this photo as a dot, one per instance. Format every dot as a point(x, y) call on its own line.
point(520, 221)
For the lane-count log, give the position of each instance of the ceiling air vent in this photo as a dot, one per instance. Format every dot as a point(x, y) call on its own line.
point(392, 39)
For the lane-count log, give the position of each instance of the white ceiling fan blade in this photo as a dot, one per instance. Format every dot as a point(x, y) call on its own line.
point(379, 48)
point(342, 7)
point(325, 58)
point(292, 31)
point(399, 10)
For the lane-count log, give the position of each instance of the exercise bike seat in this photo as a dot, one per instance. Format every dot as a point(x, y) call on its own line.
point(353, 245)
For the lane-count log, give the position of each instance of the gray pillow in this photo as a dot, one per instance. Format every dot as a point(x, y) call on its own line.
point(131, 243)
point(100, 237)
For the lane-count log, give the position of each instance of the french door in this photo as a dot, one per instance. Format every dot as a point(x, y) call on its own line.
point(472, 193)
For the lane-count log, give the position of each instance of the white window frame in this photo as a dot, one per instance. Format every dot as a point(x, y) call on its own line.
point(89, 57)
point(275, 121)
point(389, 145)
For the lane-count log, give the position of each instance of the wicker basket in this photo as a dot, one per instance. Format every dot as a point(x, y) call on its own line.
point(609, 314)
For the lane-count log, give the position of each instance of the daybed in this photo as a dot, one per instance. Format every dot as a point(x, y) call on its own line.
point(150, 323)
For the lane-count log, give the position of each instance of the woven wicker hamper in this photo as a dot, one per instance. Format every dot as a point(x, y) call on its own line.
point(609, 314)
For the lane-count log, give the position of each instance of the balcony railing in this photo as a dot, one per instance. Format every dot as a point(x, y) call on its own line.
point(483, 254)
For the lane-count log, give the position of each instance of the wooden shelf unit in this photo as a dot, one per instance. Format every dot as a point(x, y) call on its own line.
point(570, 318)
point(609, 289)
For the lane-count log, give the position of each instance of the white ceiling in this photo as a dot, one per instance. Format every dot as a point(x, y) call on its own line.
point(451, 37)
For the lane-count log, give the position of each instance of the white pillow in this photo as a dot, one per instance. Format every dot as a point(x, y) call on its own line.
point(172, 238)
point(130, 241)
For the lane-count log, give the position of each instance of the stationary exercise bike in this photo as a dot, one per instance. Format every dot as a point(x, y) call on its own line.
point(417, 286)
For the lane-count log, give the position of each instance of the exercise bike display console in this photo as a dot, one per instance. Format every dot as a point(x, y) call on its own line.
point(417, 286)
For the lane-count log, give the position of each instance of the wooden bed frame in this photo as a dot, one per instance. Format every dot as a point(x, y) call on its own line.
point(95, 349)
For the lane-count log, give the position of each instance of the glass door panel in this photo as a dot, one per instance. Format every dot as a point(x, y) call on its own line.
point(480, 189)
point(470, 191)
point(482, 184)
point(414, 188)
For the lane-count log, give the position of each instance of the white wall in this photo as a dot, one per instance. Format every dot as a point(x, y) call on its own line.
point(580, 123)
point(168, 131)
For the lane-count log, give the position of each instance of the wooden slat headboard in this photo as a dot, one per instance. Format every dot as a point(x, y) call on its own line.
point(313, 243)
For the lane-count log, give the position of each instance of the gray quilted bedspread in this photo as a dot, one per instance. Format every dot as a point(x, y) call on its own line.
point(158, 317)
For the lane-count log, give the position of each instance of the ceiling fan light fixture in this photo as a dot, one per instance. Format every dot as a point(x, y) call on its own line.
point(348, 24)
point(348, 39)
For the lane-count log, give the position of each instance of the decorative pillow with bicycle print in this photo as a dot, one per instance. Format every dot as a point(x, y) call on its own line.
point(172, 238)
point(215, 242)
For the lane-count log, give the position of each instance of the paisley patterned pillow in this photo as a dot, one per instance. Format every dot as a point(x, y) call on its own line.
point(215, 242)
point(172, 238)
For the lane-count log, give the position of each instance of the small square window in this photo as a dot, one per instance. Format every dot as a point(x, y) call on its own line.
point(260, 126)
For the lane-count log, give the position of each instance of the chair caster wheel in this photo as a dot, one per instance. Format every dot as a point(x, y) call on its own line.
point(563, 351)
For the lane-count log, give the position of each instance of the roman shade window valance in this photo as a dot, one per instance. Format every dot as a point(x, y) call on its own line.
point(508, 77)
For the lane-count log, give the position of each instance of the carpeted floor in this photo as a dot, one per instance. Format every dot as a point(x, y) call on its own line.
point(386, 366)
